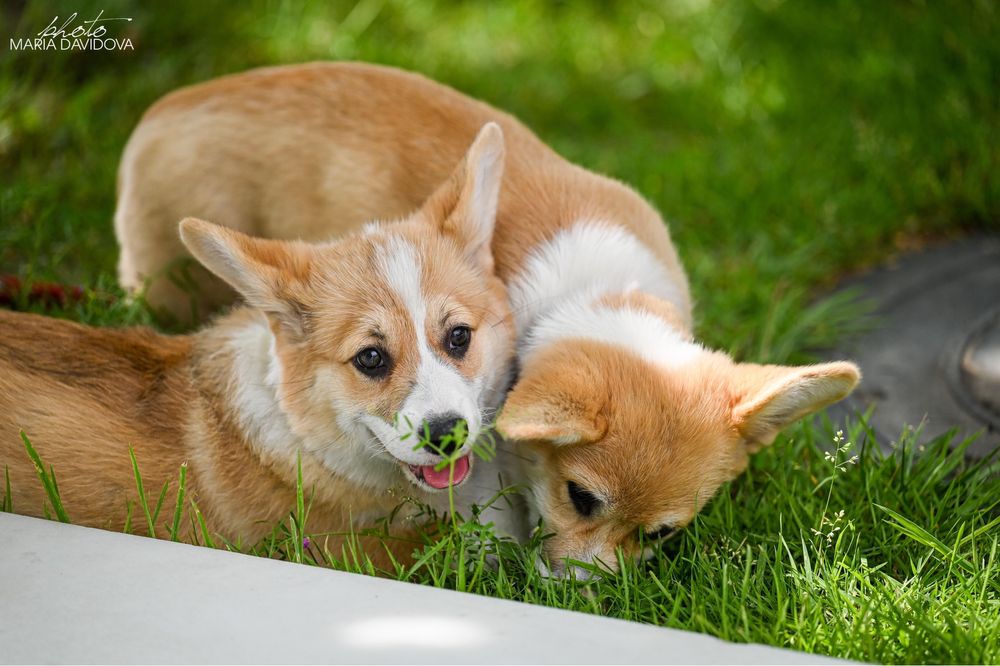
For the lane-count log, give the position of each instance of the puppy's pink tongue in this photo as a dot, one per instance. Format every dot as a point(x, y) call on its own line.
point(438, 478)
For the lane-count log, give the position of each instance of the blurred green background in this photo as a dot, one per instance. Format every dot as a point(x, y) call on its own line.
point(787, 143)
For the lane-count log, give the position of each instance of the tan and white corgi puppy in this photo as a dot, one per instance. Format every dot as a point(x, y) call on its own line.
point(345, 348)
point(629, 424)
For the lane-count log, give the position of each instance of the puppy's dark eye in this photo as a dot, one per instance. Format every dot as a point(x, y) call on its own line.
point(372, 362)
point(584, 501)
point(661, 533)
point(457, 341)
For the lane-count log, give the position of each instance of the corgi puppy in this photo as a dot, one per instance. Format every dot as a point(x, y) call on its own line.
point(629, 425)
point(345, 355)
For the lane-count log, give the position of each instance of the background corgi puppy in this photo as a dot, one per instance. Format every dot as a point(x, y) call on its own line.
point(345, 349)
point(631, 425)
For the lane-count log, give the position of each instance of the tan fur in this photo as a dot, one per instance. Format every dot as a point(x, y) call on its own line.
point(311, 150)
point(84, 395)
point(652, 443)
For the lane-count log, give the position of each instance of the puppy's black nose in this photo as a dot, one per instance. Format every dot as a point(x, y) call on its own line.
point(440, 429)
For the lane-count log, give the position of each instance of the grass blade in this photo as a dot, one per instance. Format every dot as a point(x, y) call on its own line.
point(8, 495)
point(48, 480)
point(202, 526)
point(143, 502)
point(179, 505)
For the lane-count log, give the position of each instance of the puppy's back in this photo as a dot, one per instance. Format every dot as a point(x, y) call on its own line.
point(313, 151)
point(83, 396)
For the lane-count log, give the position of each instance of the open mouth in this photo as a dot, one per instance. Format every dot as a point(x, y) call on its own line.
point(439, 479)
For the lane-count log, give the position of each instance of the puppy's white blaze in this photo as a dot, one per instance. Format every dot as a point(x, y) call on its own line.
point(637, 331)
point(399, 265)
point(588, 260)
point(438, 387)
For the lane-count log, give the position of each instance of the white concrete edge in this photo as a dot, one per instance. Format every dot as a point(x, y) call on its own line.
point(80, 595)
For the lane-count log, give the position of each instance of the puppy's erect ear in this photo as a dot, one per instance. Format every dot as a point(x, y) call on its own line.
point(772, 397)
point(540, 412)
point(465, 206)
point(262, 271)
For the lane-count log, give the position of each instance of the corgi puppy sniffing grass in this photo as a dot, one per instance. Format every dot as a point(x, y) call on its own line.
point(342, 350)
point(633, 435)
point(630, 426)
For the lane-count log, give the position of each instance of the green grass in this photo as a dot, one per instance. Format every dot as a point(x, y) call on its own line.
point(788, 143)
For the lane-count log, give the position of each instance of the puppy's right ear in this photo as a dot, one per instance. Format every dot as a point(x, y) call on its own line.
point(264, 272)
point(769, 398)
point(465, 206)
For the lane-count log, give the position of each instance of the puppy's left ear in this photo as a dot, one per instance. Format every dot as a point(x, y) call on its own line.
point(538, 411)
point(264, 272)
point(465, 206)
point(771, 397)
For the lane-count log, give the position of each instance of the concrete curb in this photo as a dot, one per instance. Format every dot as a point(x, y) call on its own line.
point(74, 594)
